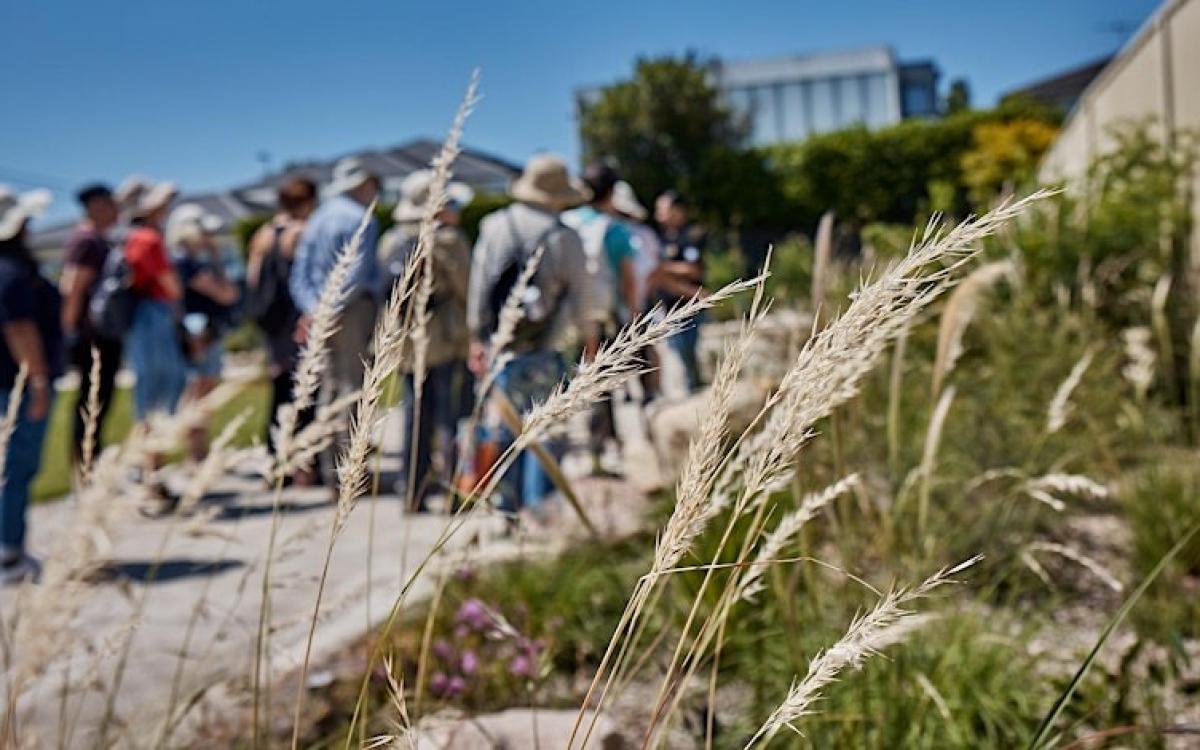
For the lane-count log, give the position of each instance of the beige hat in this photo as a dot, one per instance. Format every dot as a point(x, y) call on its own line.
point(625, 201)
point(414, 194)
point(18, 208)
point(154, 197)
point(546, 182)
point(348, 174)
point(130, 191)
point(189, 222)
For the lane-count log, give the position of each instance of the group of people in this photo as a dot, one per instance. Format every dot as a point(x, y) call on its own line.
point(573, 257)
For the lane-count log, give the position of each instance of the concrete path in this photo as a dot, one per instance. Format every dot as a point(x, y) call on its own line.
point(195, 637)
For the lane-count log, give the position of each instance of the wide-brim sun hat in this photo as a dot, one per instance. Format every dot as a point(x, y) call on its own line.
point(348, 174)
point(154, 197)
point(547, 182)
point(414, 196)
point(18, 208)
point(130, 191)
point(625, 201)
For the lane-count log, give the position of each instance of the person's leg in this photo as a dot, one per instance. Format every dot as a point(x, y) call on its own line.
point(348, 347)
point(281, 393)
point(23, 459)
point(684, 345)
point(83, 366)
point(140, 346)
point(537, 375)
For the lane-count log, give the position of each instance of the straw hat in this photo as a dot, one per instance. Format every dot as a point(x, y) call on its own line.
point(348, 174)
point(546, 181)
point(414, 194)
point(130, 191)
point(18, 208)
point(625, 201)
point(154, 197)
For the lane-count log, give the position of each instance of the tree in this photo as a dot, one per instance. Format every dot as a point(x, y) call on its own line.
point(669, 127)
point(959, 97)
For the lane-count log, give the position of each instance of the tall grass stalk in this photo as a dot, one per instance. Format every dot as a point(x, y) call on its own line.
point(895, 394)
point(828, 371)
point(11, 414)
point(310, 366)
point(392, 330)
point(961, 308)
point(91, 420)
point(864, 638)
point(615, 363)
point(933, 440)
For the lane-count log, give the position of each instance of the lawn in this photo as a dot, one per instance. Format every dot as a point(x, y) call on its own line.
point(54, 480)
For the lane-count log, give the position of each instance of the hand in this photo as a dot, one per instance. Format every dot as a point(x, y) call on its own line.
point(39, 401)
point(477, 359)
point(300, 336)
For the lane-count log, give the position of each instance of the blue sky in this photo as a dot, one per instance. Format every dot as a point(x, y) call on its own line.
point(193, 91)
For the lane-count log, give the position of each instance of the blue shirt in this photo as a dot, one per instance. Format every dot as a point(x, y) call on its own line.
point(618, 239)
point(330, 228)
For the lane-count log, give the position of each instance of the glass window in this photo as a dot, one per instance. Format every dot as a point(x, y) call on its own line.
point(918, 100)
point(851, 100)
point(823, 118)
point(795, 113)
point(877, 101)
point(766, 119)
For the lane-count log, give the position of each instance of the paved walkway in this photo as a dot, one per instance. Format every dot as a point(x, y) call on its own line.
point(201, 610)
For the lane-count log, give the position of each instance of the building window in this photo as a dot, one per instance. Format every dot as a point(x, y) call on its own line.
point(877, 101)
point(918, 100)
point(851, 100)
point(823, 116)
point(795, 114)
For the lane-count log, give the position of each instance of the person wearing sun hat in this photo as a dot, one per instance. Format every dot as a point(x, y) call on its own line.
point(558, 305)
point(152, 344)
point(351, 190)
point(448, 384)
point(29, 322)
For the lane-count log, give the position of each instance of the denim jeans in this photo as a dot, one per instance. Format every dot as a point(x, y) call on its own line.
point(684, 344)
point(154, 351)
point(528, 379)
point(437, 421)
point(22, 463)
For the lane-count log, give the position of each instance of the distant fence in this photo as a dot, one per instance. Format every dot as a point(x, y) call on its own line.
point(1156, 75)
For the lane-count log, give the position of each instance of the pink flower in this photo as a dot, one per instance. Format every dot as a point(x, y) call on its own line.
point(474, 615)
point(456, 686)
point(521, 666)
point(443, 650)
point(439, 683)
point(469, 663)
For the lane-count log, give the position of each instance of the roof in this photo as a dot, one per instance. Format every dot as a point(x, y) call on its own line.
point(1063, 89)
point(482, 171)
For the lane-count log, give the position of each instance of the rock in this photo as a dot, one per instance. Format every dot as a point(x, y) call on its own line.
point(673, 425)
point(514, 729)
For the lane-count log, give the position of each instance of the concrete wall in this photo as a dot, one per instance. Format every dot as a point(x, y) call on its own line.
point(1156, 75)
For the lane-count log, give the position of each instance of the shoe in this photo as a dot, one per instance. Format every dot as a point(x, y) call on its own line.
point(22, 568)
point(162, 503)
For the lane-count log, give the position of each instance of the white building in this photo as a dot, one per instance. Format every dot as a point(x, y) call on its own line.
point(791, 98)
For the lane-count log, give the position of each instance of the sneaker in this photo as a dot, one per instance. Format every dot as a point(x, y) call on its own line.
point(23, 568)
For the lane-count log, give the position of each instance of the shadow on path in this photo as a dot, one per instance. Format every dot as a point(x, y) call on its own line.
point(162, 571)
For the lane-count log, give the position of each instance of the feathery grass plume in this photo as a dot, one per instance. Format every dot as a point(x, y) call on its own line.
point(91, 419)
point(829, 368)
point(895, 384)
point(214, 465)
point(865, 636)
point(694, 488)
point(313, 438)
point(617, 361)
point(1139, 371)
point(933, 439)
point(45, 611)
point(514, 309)
point(822, 252)
point(9, 422)
point(785, 531)
point(314, 355)
point(401, 736)
point(165, 431)
point(960, 309)
point(1194, 374)
point(1090, 564)
point(393, 328)
point(1077, 485)
point(1060, 406)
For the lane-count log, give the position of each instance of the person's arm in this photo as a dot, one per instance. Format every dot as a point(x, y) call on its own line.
point(25, 344)
point(629, 286)
point(260, 245)
point(214, 286)
point(169, 281)
point(453, 259)
point(476, 302)
point(300, 283)
point(77, 279)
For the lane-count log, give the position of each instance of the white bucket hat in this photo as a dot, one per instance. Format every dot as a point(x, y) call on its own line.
point(547, 182)
point(625, 201)
point(348, 174)
point(414, 194)
point(18, 208)
point(154, 197)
